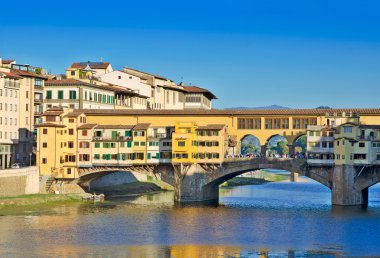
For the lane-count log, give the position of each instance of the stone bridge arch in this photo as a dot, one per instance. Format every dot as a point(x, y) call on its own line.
point(163, 172)
point(204, 186)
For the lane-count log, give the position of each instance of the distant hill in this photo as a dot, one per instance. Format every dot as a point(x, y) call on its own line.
point(266, 107)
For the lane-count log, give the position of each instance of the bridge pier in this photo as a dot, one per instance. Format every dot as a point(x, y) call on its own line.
point(345, 189)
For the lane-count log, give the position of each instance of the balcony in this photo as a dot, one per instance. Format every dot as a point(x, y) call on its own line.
point(112, 139)
point(38, 113)
point(38, 101)
point(38, 87)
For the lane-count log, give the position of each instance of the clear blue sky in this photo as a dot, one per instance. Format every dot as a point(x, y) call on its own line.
point(301, 53)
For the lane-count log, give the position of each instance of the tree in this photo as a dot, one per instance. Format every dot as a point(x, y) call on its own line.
point(283, 148)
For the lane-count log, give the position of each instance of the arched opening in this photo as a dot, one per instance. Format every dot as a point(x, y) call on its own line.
point(277, 147)
point(250, 146)
point(291, 192)
point(300, 145)
point(118, 183)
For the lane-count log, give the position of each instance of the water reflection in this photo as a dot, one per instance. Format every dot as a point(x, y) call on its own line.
point(279, 219)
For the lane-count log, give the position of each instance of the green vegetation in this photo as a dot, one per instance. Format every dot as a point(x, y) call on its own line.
point(35, 199)
point(300, 144)
point(244, 181)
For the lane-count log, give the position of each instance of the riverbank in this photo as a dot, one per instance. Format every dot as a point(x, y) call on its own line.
point(36, 199)
point(237, 181)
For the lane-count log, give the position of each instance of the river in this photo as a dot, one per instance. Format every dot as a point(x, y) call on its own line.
point(276, 219)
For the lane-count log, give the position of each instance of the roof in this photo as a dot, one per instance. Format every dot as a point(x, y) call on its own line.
point(93, 65)
point(52, 113)
point(50, 125)
point(28, 74)
point(11, 75)
point(196, 89)
point(4, 61)
point(232, 112)
point(151, 74)
point(75, 82)
point(212, 127)
point(114, 127)
point(73, 114)
point(144, 126)
point(87, 126)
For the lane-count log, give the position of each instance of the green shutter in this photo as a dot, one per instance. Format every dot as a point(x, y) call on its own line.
point(149, 156)
point(129, 144)
point(60, 94)
point(97, 144)
point(114, 135)
point(157, 155)
point(48, 94)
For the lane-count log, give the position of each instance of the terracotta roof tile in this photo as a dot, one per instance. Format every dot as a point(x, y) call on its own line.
point(11, 75)
point(50, 125)
point(212, 127)
point(143, 126)
point(93, 65)
point(196, 89)
point(221, 112)
point(87, 126)
point(4, 61)
point(28, 74)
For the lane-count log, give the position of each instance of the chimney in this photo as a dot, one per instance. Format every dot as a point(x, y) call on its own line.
point(181, 84)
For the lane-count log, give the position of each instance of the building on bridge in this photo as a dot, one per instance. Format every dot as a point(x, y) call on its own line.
point(67, 143)
point(343, 141)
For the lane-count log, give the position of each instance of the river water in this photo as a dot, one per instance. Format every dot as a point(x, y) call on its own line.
point(276, 219)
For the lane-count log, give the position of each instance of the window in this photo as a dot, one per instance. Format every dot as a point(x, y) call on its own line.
point(44, 131)
point(48, 94)
point(71, 120)
point(97, 144)
point(311, 133)
point(44, 145)
point(27, 94)
point(71, 145)
point(72, 73)
point(44, 160)
point(361, 144)
point(377, 156)
point(249, 123)
point(84, 132)
point(181, 143)
point(73, 94)
point(60, 94)
point(26, 107)
point(347, 129)
point(69, 171)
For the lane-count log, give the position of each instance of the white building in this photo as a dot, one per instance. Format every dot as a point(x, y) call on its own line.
point(9, 123)
point(128, 81)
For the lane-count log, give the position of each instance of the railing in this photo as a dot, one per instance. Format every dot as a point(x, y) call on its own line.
point(368, 137)
point(38, 87)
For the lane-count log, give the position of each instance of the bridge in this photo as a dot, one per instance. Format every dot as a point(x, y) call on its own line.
point(200, 182)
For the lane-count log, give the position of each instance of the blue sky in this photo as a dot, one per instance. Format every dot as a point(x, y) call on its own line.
point(300, 54)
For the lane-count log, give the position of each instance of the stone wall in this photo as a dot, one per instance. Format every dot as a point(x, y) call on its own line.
point(19, 181)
